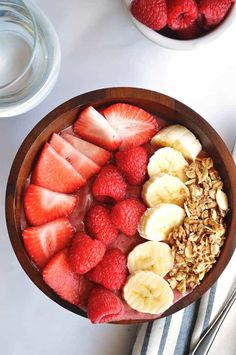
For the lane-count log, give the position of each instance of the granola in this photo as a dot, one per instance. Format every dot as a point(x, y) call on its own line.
point(196, 244)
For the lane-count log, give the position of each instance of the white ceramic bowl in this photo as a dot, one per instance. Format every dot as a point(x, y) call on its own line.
point(184, 44)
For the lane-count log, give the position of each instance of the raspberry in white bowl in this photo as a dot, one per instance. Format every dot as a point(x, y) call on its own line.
point(182, 24)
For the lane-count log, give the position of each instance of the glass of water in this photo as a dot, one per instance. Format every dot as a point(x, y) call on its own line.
point(29, 56)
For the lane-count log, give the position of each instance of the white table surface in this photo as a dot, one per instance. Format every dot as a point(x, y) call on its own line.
point(101, 48)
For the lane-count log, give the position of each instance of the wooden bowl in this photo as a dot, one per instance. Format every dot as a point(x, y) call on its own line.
point(63, 116)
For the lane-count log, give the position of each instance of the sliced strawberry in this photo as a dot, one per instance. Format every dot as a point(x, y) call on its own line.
point(42, 205)
point(99, 155)
point(82, 164)
point(132, 124)
point(55, 173)
point(59, 276)
point(44, 241)
point(93, 127)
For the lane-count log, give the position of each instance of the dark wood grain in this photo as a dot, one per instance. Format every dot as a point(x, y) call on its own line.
point(63, 116)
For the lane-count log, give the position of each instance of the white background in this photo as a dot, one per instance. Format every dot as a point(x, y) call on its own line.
point(101, 48)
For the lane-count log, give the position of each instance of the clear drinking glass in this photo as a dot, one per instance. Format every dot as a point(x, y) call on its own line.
point(29, 56)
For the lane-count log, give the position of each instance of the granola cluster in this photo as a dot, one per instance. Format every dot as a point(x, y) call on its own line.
point(196, 244)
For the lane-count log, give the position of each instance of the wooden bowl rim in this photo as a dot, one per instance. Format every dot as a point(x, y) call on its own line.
point(111, 94)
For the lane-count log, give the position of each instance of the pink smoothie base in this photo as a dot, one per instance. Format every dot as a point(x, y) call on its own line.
point(125, 244)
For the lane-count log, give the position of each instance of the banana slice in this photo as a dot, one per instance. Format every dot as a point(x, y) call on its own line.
point(180, 138)
point(164, 188)
point(170, 161)
point(147, 292)
point(156, 223)
point(151, 256)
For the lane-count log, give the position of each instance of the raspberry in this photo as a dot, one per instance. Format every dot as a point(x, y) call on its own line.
point(193, 31)
point(152, 13)
point(111, 271)
point(103, 305)
point(109, 185)
point(181, 13)
point(126, 215)
point(99, 224)
point(133, 164)
point(214, 10)
point(85, 253)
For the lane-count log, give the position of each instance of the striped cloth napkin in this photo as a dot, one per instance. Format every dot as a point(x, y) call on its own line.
point(179, 333)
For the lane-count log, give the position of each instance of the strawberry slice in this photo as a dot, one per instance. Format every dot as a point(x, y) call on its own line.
point(132, 124)
point(59, 276)
point(99, 155)
point(42, 205)
point(42, 242)
point(55, 173)
point(93, 127)
point(82, 164)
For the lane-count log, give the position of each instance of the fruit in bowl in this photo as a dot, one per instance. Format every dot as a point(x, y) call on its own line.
point(117, 210)
point(181, 24)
